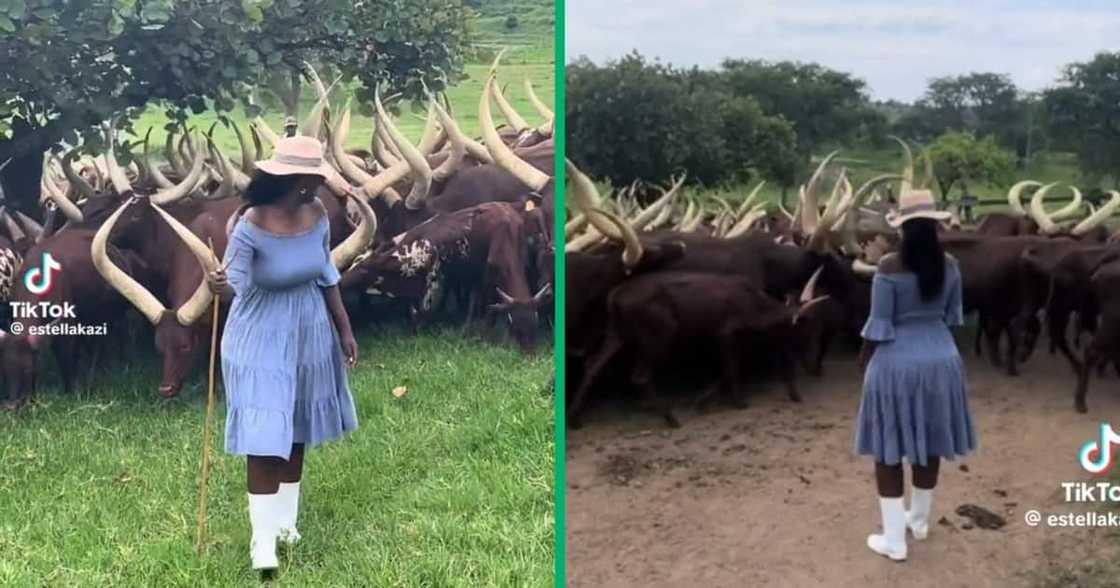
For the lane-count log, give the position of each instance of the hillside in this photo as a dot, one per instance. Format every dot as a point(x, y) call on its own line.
point(528, 34)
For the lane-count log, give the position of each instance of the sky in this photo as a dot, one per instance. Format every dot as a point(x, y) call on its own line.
point(894, 46)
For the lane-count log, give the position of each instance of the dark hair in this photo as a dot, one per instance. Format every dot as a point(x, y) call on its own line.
point(266, 188)
point(922, 254)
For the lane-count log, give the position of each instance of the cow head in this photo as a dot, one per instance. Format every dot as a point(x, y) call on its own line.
point(522, 315)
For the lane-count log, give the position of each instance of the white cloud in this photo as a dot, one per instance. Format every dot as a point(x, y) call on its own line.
point(894, 46)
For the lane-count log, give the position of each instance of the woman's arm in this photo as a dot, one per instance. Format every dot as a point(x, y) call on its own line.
point(880, 322)
point(341, 323)
point(328, 282)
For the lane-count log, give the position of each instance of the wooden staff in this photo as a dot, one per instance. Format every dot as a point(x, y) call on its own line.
point(205, 477)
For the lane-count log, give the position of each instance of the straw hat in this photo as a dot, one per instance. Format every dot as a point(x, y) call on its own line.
point(296, 155)
point(916, 204)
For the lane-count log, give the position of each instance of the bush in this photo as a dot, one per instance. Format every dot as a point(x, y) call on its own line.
point(512, 22)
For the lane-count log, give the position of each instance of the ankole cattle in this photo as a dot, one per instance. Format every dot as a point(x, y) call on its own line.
point(483, 247)
point(655, 315)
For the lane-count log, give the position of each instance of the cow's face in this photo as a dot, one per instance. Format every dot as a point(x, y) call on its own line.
point(521, 315)
point(176, 344)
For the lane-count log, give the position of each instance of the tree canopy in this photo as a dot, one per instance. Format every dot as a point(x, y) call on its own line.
point(958, 156)
point(635, 119)
point(1083, 114)
point(68, 66)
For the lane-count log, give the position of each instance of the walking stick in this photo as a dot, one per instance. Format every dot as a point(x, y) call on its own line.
point(205, 477)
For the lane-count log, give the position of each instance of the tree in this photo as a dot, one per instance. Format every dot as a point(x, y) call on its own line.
point(959, 157)
point(1083, 114)
point(823, 105)
point(633, 119)
point(983, 103)
point(70, 66)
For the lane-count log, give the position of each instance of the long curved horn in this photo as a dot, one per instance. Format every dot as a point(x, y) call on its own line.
point(661, 218)
point(265, 130)
point(180, 190)
point(632, 247)
point(458, 144)
point(502, 154)
point(33, 229)
point(1045, 224)
point(696, 221)
point(171, 155)
point(200, 299)
point(225, 189)
point(68, 208)
point(651, 212)
point(745, 223)
point(138, 295)
point(358, 241)
point(810, 206)
point(432, 131)
point(508, 111)
point(1070, 210)
point(869, 186)
point(153, 170)
point(1099, 216)
point(928, 180)
point(246, 156)
point(78, 182)
point(337, 139)
point(116, 174)
point(908, 168)
point(807, 293)
point(745, 204)
point(782, 208)
point(686, 218)
point(1015, 198)
point(421, 171)
point(542, 109)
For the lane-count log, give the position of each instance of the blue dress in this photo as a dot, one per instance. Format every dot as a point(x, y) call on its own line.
point(282, 362)
point(915, 398)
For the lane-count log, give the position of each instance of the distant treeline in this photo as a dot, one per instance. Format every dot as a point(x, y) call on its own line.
point(635, 118)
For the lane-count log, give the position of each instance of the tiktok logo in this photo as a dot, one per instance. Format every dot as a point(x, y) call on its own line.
point(1102, 449)
point(39, 280)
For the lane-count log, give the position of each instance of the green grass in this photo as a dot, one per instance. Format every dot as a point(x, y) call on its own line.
point(464, 99)
point(450, 485)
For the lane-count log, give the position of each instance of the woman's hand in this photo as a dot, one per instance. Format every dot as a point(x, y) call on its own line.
point(217, 281)
point(350, 349)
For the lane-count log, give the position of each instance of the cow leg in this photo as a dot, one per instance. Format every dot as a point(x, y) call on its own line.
point(472, 303)
point(789, 375)
point(1082, 390)
point(642, 377)
point(1058, 325)
point(816, 369)
point(594, 365)
point(1014, 336)
point(729, 358)
point(993, 333)
point(64, 353)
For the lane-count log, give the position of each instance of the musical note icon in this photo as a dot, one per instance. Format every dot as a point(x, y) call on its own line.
point(1101, 448)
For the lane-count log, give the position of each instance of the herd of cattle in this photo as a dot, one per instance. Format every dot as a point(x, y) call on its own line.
point(660, 291)
point(412, 226)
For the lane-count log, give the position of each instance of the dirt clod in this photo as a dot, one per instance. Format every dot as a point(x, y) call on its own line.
point(982, 517)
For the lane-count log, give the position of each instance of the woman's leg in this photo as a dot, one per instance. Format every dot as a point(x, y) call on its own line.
point(925, 477)
point(265, 516)
point(292, 469)
point(892, 541)
point(290, 473)
point(889, 479)
point(264, 473)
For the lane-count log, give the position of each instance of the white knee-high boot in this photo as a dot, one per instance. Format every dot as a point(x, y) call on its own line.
point(917, 518)
point(289, 512)
point(892, 542)
point(265, 525)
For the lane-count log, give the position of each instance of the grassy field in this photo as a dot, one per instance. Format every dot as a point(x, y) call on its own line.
point(449, 485)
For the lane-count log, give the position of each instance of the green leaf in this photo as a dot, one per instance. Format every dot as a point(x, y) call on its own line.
point(16, 9)
point(6, 24)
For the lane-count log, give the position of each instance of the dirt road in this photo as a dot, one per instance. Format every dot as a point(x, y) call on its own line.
point(773, 496)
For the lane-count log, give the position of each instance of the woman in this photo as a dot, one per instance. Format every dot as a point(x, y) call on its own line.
point(915, 401)
point(284, 340)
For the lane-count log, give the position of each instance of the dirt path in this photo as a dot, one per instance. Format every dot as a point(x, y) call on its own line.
point(773, 496)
